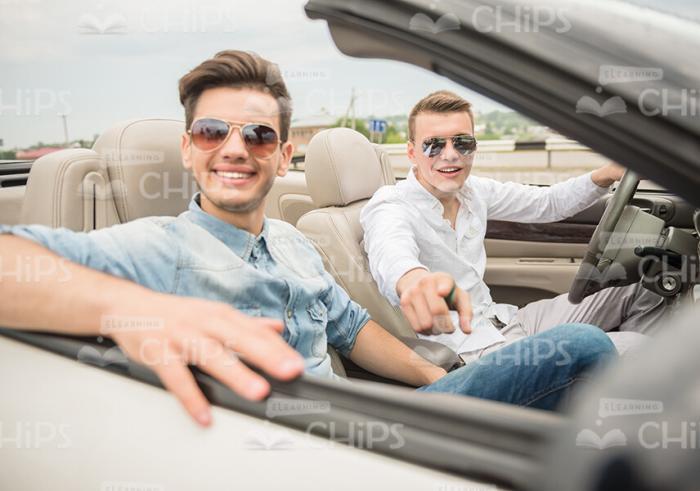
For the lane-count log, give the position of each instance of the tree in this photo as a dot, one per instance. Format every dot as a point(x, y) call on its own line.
point(489, 133)
point(394, 135)
point(360, 126)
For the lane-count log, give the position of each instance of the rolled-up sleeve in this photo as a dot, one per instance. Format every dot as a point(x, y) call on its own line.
point(345, 317)
point(75, 246)
point(510, 201)
point(139, 251)
point(390, 244)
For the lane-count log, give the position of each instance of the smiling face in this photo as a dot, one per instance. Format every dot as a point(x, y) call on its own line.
point(233, 180)
point(444, 174)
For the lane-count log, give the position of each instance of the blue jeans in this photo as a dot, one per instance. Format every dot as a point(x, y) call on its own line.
point(537, 371)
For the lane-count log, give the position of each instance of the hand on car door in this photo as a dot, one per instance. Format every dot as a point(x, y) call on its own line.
point(213, 336)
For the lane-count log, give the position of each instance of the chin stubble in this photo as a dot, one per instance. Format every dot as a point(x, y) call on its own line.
point(246, 207)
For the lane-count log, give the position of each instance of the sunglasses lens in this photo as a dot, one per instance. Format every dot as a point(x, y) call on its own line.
point(261, 140)
point(207, 134)
point(433, 146)
point(464, 144)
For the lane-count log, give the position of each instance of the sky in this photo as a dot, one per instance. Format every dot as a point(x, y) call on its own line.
point(102, 62)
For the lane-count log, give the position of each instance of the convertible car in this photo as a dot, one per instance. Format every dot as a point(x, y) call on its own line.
point(77, 414)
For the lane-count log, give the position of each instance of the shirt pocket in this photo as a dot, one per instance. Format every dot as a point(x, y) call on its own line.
point(318, 315)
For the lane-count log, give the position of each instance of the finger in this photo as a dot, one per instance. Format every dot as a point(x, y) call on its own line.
point(420, 305)
point(178, 379)
point(442, 323)
point(216, 326)
point(263, 348)
point(464, 309)
point(274, 324)
point(225, 366)
point(260, 322)
point(439, 327)
point(438, 308)
point(444, 285)
point(410, 315)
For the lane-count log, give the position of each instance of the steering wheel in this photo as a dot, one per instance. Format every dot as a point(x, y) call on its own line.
point(588, 277)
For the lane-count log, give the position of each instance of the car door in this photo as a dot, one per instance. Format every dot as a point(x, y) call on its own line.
point(529, 262)
point(109, 418)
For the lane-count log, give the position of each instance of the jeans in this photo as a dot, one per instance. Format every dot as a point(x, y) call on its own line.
point(537, 371)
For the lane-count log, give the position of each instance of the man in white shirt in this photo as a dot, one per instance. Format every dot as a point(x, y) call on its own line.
point(425, 241)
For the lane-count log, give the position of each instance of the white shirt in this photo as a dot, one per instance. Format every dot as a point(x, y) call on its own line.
point(404, 229)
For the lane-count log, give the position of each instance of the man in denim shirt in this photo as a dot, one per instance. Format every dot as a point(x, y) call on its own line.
point(251, 272)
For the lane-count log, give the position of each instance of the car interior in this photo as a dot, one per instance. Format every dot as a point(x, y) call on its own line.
point(134, 170)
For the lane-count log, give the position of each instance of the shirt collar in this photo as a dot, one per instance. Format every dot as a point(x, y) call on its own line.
point(239, 241)
point(424, 197)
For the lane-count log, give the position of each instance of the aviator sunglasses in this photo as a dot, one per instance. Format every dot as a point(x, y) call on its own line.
point(209, 134)
point(464, 144)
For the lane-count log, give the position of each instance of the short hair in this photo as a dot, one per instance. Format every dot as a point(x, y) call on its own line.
point(237, 69)
point(442, 101)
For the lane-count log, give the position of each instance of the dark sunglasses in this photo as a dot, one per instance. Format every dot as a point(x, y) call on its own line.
point(209, 134)
point(464, 144)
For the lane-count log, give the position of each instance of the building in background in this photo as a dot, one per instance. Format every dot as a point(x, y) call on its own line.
point(35, 153)
point(304, 129)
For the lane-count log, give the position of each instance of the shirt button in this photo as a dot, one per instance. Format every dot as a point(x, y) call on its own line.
point(289, 313)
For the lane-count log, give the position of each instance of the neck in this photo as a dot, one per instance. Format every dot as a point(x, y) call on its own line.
point(448, 200)
point(449, 204)
point(250, 221)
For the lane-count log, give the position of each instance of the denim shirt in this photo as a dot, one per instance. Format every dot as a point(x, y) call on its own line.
point(277, 274)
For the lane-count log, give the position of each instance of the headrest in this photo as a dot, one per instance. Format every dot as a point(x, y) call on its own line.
point(145, 168)
point(342, 167)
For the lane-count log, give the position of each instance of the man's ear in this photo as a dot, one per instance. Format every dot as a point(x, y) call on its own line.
point(185, 151)
point(286, 158)
point(411, 151)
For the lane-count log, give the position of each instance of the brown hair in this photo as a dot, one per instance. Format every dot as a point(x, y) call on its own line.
point(237, 69)
point(442, 101)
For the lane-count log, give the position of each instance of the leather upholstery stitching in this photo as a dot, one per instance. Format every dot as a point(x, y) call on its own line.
point(326, 143)
point(58, 187)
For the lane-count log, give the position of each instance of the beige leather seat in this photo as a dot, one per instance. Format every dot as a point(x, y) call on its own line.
point(343, 170)
point(134, 170)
